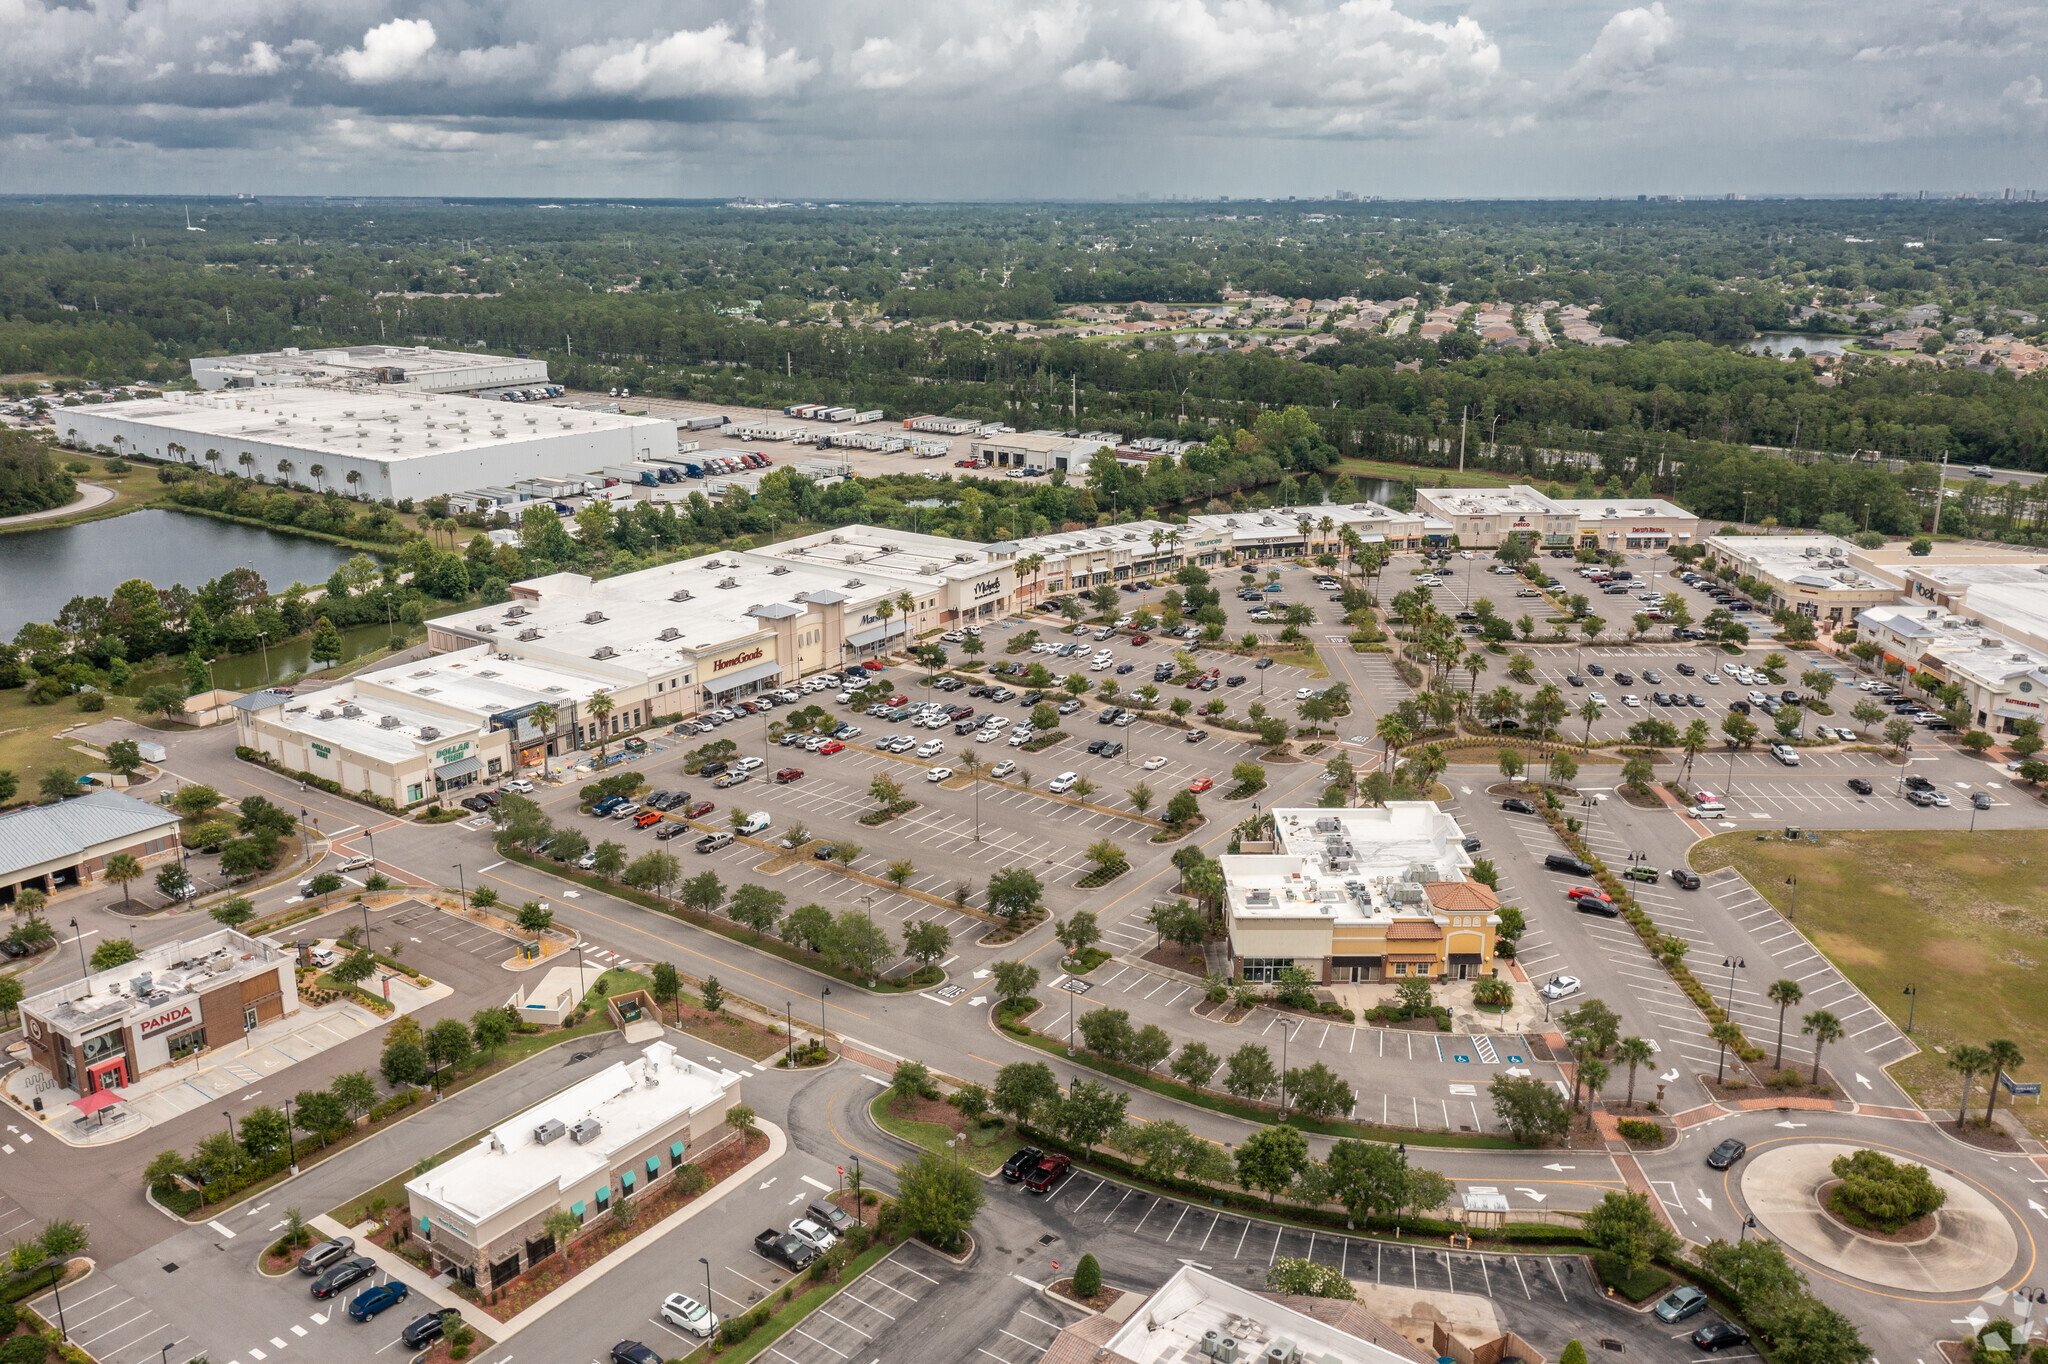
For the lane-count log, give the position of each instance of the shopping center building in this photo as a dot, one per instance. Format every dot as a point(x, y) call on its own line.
point(54, 848)
point(177, 999)
point(1354, 896)
point(608, 1138)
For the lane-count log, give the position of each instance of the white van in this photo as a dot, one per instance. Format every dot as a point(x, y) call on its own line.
point(1063, 783)
point(754, 823)
point(1707, 809)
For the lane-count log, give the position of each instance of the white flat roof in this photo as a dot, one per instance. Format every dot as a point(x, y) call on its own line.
point(414, 360)
point(177, 968)
point(1348, 864)
point(1808, 560)
point(907, 557)
point(479, 683)
point(1169, 1327)
point(1623, 509)
point(325, 716)
point(387, 425)
point(629, 1099)
point(1520, 499)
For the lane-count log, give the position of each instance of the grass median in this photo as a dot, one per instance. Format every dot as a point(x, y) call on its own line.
point(932, 1123)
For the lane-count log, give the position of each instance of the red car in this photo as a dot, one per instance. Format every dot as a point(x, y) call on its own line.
point(1049, 1172)
point(699, 810)
point(827, 750)
point(1201, 784)
point(1577, 893)
point(873, 665)
point(1141, 639)
point(788, 774)
point(899, 699)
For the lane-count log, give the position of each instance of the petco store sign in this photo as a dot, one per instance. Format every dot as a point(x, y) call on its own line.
point(163, 1022)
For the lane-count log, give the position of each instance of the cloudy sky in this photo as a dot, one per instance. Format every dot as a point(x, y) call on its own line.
point(944, 99)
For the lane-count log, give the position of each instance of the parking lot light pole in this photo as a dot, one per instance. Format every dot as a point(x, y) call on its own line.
point(460, 884)
point(788, 1032)
point(707, 1283)
point(1733, 964)
point(1912, 993)
point(1792, 912)
point(79, 938)
point(56, 1266)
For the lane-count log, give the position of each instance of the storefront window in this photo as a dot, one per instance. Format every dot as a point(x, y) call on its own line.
point(99, 1048)
point(187, 1043)
point(1265, 968)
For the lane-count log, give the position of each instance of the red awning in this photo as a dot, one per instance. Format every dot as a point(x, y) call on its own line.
point(93, 1103)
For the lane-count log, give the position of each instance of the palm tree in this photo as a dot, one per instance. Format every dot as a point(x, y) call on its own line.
point(1693, 743)
point(284, 469)
point(1031, 563)
point(1824, 1028)
point(247, 461)
point(213, 457)
point(2005, 1058)
point(316, 472)
point(1392, 732)
point(123, 868)
point(544, 717)
point(1475, 663)
point(600, 706)
point(1783, 993)
point(1589, 712)
point(1967, 1061)
point(1728, 1035)
point(355, 476)
point(1632, 1052)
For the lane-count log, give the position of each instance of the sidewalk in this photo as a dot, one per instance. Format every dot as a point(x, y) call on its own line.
point(180, 1088)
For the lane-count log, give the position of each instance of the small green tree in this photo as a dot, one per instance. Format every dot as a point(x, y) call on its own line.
point(713, 995)
point(1626, 1227)
point(1087, 1277)
point(1270, 1159)
point(1309, 1279)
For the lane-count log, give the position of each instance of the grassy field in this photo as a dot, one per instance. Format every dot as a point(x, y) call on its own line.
point(31, 741)
point(987, 1147)
point(1959, 916)
point(1430, 477)
point(131, 490)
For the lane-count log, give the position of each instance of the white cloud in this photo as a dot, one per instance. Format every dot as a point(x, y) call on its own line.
point(2023, 107)
point(389, 51)
point(687, 64)
point(260, 60)
point(401, 133)
point(1633, 44)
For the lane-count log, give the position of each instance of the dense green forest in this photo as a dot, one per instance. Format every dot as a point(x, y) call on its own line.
point(31, 479)
point(751, 306)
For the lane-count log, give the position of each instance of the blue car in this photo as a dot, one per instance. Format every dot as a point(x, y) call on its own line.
point(371, 1301)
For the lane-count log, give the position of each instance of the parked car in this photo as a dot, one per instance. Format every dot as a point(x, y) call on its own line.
point(1559, 987)
point(1727, 1153)
point(1201, 784)
point(633, 1352)
point(422, 1330)
point(1681, 1303)
point(830, 1216)
point(1049, 1173)
point(1022, 1163)
point(1640, 872)
point(328, 1253)
point(1860, 786)
point(785, 1249)
point(811, 1232)
point(788, 775)
point(685, 1313)
point(1515, 805)
point(371, 1301)
point(1684, 879)
point(1720, 1336)
point(342, 1275)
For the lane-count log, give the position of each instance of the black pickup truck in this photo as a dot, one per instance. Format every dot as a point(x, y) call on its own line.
point(789, 1251)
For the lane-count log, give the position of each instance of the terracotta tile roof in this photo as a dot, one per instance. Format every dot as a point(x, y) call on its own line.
point(1413, 930)
point(1462, 897)
point(1079, 1342)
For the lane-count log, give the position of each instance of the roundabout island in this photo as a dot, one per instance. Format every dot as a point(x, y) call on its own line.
point(1965, 1245)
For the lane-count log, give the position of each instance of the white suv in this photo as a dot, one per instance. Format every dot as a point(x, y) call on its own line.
point(1063, 783)
point(1785, 754)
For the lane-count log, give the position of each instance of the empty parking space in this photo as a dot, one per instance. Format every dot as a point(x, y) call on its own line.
point(103, 1319)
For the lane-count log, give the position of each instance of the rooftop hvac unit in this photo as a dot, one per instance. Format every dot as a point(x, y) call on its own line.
point(351, 711)
point(326, 713)
point(429, 732)
point(548, 1131)
point(728, 582)
point(670, 633)
point(389, 722)
point(928, 570)
point(779, 570)
point(142, 984)
point(963, 558)
point(514, 612)
point(585, 1131)
point(680, 594)
point(528, 635)
point(1282, 1352)
point(605, 651)
point(594, 618)
point(485, 627)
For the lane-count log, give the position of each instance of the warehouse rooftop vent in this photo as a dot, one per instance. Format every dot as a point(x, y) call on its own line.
point(389, 722)
point(928, 570)
point(728, 582)
point(853, 582)
point(605, 651)
point(594, 618)
point(351, 711)
point(670, 633)
point(779, 569)
point(680, 594)
point(326, 712)
point(528, 635)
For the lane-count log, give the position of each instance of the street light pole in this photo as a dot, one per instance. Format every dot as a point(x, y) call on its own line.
point(231, 1123)
point(1733, 964)
point(788, 1032)
point(460, 884)
point(1792, 911)
point(1912, 1002)
point(79, 938)
point(707, 1283)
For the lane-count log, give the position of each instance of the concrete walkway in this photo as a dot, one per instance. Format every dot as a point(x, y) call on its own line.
point(91, 495)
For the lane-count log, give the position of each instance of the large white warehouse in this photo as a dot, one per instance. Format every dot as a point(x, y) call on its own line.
point(396, 442)
point(421, 367)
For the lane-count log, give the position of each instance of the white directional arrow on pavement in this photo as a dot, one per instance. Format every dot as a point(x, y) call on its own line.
point(1560, 1167)
point(978, 1001)
point(1670, 1075)
point(1862, 1081)
point(1705, 1201)
point(1531, 1192)
point(982, 974)
point(771, 1180)
point(2037, 1207)
point(1788, 1124)
point(1518, 1070)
